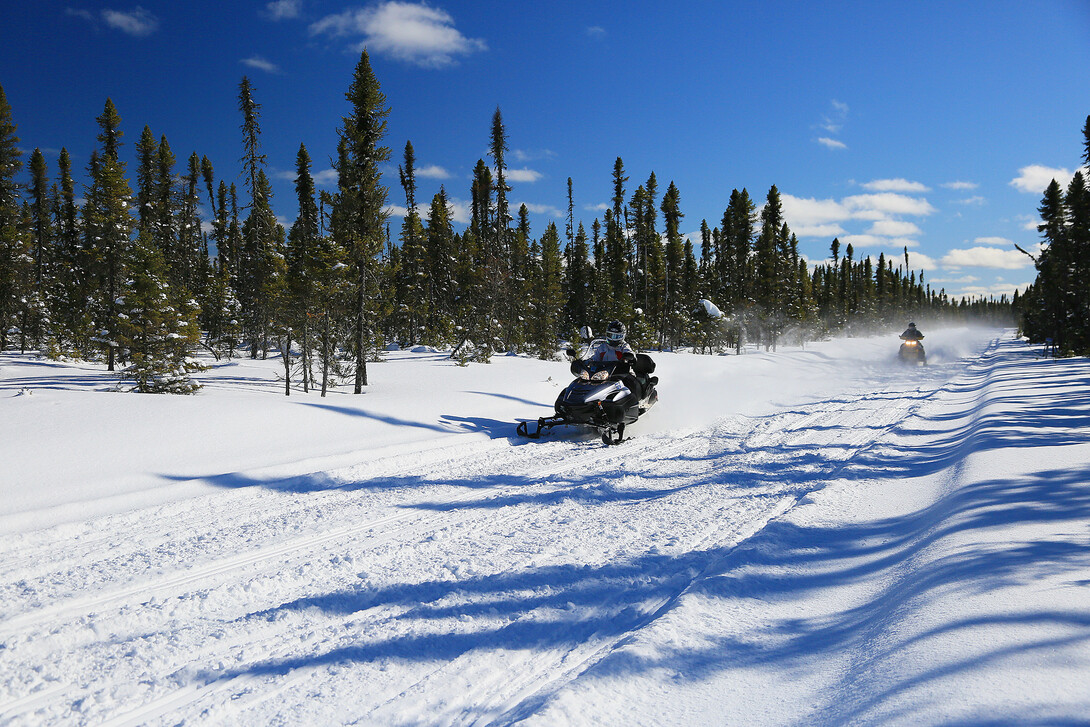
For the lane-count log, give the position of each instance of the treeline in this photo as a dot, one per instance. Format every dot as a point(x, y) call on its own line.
point(1056, 308)
point(128, 278)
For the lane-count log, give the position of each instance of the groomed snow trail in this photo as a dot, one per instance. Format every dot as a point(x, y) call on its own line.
point(439, 583)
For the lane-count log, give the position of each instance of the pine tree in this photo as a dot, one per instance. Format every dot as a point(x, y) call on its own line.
point(71, 322)
point(157, 324)
point(362, 198)
point(12, 240)
point(441, 277)
point(414, 263)
point(108, 225)
point(674, 307)
point(35, 308)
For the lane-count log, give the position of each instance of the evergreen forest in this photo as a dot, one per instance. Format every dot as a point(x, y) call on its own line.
point(1056, 307)
point(127, 270)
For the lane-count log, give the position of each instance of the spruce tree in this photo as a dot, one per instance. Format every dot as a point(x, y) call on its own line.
point(361, 204)
point(12, 241)
point(107, 227)
point(674, 303)
point(35, 308)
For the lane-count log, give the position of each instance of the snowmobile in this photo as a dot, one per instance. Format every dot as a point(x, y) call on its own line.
point(605, 395)
point(912, 353)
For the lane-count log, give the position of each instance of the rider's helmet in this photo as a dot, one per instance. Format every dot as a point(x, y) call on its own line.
point(911, 325)
point(615, 332)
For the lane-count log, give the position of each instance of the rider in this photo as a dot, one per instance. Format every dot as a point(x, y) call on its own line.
point(911, 333)
point(612, 348)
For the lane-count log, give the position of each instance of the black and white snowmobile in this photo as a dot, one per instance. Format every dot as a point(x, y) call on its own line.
point(605, 395)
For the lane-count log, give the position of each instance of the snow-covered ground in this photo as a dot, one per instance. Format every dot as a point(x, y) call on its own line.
point(806, 537)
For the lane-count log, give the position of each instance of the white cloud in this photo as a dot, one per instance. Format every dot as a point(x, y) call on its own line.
point(830, 231)
point(916, 260)
point(986, 257)
point(326, 177)
point(283, 9)
point(521, 175)
point(432, 171)
point(831, 143)
point(261, 64)
point(1031, 225)
point(903, 242)
point(1035, 178)
point(987, 291)
point(808, 212)
point(461, 211)
point(600, 207)
point(396, 210)
point(878, 206)
point(139, 22)
point(410, 32)
point(994, 241)
point(596, 31)
point(541, 209)
point(895, 185)
point(323, 178)
point(960, 185)
point(963, 279)
point(862, 240)
point(893, 228)
point(974, 201)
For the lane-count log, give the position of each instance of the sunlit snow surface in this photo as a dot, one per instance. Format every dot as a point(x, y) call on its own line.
point(813, 536)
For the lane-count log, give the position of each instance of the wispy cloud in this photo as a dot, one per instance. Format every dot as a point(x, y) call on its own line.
point(960, 185)
point(595, 31)
point(261, 64)
point(837, 116)
point(410, 32)
point(283, 9)
point(326, 177)
point(896, 185)
point(975, 201)
point(432, 171)
point(1034, 178)
point(831, 143)
point(531, 155)
point(986, 257)
point(137, 22)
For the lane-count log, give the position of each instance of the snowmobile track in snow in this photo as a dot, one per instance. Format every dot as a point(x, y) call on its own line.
point(447, 494)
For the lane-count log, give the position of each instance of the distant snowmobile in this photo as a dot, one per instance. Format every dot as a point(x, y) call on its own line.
point(605, 395)
point(911, 351)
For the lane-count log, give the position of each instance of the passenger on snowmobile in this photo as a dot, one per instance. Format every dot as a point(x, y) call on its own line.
point(911, 350)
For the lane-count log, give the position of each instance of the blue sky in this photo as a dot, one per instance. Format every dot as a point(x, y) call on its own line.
point(934, 125)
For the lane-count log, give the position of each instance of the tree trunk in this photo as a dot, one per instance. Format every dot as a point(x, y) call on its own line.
point(287, 363)
point(325, 353)
point(361, 356)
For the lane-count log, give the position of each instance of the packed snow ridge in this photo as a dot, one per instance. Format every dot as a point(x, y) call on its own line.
point(814, 536)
